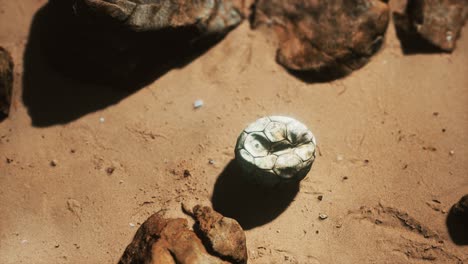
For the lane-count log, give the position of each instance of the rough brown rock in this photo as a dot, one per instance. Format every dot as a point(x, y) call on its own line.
point(169, 241)
point(6, 82)
point(431, 22)
point(224, 235)
point(335, 36)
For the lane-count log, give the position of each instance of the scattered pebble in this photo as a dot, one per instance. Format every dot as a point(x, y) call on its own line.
point(320, 197)
point(378, 222)
point(452, 152)
point(449, 36)
point(187, 173)
point(339, 157)
point(323, 216)
point(57, 245)
point(110, 170)
point(444, 130)
point(198, 103)
point(53, 163)
point(345, 178)
point(339, 225)
point(101, 120)
point(131, 224)
point(435, 113)
point(8, 161)
point(212, 162)
point(24, 241)
point(121, 181)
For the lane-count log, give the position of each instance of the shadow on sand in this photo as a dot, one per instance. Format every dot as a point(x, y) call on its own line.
point(250, 205)
point(73, 67)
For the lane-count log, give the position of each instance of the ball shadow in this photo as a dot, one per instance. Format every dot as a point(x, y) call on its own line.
point(73, 66)
point(249, 204)
point(457, 226)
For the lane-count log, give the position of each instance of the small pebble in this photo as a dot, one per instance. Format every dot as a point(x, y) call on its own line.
point(131, 224)
point(110, 170)
point(211, 161)
point(339, 158)
point(197, 104)
point(24, 241)
point(121, 181)
point(452, 152)
point(323, 216)
point(101, 120)
point(53, 163)
point(320, 197)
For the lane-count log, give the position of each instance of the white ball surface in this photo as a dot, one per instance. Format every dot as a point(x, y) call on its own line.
point(275, 150)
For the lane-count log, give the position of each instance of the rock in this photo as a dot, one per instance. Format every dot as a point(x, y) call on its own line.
point(6, 82)
point(169, 241)
point(461, 208)
point(225, 236)
point(431, 24)
point(210, 17)
point(331, 37)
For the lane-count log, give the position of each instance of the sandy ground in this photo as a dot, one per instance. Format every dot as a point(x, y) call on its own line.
point(385, 134)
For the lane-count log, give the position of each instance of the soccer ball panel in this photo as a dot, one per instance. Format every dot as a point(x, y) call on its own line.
point(258, 125)
point(248, 162)
point(241, 140)
point(305, 152)
point(257, 144)
point(275, 131)
point(298, 133)
point(287, 165)
point(282, 119)
point(266, 163)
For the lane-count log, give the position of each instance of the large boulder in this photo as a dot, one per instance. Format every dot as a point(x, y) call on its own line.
point(161, 240)
point(330, 37)
point(431, 23)
point(6, 82)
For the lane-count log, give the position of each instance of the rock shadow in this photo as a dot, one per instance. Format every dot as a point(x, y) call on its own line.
point(73, 67)
point(457, 226)
point(411, 42)
point(249, 204)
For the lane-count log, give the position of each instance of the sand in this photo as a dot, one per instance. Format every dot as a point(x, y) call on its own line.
point(393, 139)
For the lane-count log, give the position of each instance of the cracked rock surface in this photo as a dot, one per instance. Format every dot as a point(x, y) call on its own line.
point(6, 82)
point(434, 22)
point(336, 36)
point(160, 240)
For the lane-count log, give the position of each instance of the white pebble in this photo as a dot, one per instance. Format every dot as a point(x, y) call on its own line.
point(339, 157)
point(131, 224)
point(101, 120)
point(198, 104)
point(323, 216)
point(24, 241)
point(452, 152)
point(449, 36)
point(211, 161)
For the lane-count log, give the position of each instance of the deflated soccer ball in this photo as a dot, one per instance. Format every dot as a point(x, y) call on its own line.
point(275, 150)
